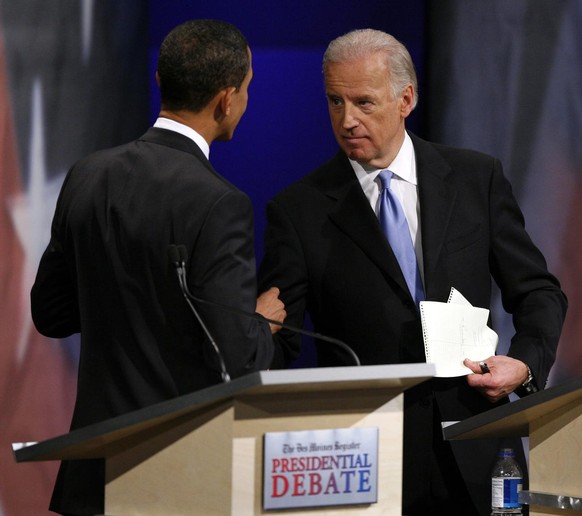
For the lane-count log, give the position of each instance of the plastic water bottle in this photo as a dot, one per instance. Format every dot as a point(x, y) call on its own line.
point(506, 483)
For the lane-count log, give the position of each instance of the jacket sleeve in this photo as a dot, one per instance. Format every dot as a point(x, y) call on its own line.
point(54, 301)
point(283, 266)
point(530, 293)
point(54, 305)
point(222, 269)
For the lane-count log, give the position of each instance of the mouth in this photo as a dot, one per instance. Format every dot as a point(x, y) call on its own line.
point(353, 141)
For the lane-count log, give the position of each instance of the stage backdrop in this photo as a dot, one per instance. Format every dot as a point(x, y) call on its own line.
point(73, 78)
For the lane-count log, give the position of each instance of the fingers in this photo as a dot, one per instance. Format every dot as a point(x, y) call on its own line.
point(477, 367)
point(488, 377)
point(481, 378)
point(276, 327)
point(273, 292)
point(271, 307)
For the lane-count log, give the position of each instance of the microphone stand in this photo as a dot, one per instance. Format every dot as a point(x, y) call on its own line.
point(181, 272)
point(180, 251)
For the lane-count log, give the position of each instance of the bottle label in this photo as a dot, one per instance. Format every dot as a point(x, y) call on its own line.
point(504, 491)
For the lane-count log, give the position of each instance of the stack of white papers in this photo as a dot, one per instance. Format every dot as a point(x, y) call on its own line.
point(453, 331)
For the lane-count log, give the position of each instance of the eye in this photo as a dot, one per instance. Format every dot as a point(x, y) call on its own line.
point(334, 101)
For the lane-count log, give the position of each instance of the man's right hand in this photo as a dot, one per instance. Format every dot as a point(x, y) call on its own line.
point(270, 306)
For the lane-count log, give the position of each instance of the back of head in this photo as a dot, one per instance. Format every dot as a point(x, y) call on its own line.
point(197, 60)
point(361, 43)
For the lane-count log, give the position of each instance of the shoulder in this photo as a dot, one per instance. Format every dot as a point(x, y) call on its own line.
point(324, 180)
point(155, 170)
point(457, 157)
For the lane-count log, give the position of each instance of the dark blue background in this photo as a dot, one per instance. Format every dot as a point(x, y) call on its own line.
point(285, 132)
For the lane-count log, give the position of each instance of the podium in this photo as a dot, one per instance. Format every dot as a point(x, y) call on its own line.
point(202, 453)
point(552, 419)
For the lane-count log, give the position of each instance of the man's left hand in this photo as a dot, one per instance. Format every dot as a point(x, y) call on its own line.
point(504, 375)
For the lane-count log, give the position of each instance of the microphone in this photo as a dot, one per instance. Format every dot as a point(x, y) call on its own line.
point(181, 252)
point(177, 256)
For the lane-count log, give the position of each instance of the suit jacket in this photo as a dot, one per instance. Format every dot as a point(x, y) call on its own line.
point(106, 274)
point(325, 250)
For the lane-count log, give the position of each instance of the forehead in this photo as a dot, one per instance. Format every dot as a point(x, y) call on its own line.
point(369, 73)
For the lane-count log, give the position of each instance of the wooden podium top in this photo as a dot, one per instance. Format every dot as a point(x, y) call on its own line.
point(107, 437)
point(514, 419)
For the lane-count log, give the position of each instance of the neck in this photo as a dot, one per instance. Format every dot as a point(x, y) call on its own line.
point(197, 121)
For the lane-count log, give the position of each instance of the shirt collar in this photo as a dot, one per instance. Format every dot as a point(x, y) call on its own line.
point(403, 165)
point(172, 125)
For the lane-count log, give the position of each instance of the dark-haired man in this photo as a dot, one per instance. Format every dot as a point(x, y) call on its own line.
point(106, 272)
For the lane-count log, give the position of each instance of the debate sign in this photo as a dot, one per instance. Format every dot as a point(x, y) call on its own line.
point(320, 468)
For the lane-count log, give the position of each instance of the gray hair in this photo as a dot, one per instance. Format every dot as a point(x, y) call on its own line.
point(362, 43)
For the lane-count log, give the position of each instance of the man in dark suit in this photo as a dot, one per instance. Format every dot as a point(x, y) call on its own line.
point(327, 253)
point(106, 272)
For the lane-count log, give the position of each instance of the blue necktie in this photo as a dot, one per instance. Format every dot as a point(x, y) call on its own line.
point(395, 227)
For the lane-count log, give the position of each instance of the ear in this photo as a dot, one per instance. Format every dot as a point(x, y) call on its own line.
point(157, 78)
point(225, 101)
point(407, 101)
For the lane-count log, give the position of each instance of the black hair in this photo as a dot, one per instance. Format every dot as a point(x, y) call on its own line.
point(198, 59)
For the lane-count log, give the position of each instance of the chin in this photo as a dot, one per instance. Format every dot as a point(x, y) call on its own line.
point(357, 155)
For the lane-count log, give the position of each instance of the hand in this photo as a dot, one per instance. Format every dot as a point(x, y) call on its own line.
point(270, 306)
point(505, 375)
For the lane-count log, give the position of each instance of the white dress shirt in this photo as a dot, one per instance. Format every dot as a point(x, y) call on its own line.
point(404, 185)
point(172, 125)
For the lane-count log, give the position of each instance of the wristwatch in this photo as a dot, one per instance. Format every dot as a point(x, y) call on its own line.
point(529, 386)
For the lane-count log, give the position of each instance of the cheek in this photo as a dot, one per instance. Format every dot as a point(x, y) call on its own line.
point(244, 104)
point(382, 130)
point(335, 123)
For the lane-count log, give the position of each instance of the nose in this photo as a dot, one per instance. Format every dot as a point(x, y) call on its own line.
point(349, 118)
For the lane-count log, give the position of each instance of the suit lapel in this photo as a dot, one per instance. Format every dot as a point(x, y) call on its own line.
point(436, 197)
point(355, 218)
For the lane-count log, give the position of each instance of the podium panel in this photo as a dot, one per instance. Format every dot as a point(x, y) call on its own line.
point(552, 419)
point(203, 453)
point(361, 408)
point(556, 450)
point(183, 468)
